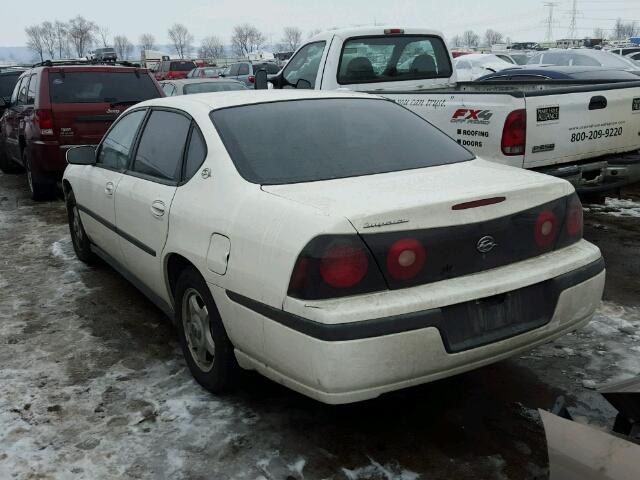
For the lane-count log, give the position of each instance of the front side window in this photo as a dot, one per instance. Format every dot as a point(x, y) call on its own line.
point(22, 94)
point(161, 145)
point(304, 65)
point(325, 139)
point(392, 58)
point(233, 70)
point(114, 152)
point(168, 89)
point(243, 69)
point(16, 90)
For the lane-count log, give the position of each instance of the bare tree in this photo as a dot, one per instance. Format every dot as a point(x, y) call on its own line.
point(457, 41)
point(81, 34)
point(62, 38)
point(622, 30)
point(34, 40)
point(181, 39)
point(211, 48)
point(246, 39)
point(291, 39)
point(122, 46)
point(470, 38)
point(103, 33)
point(491, 37)
point(147, 41)
point(49, 38)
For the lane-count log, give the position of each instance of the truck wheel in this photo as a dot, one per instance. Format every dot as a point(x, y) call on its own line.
point(204, 341)
point(40, 188)
point(81, 243)
point(6, 165)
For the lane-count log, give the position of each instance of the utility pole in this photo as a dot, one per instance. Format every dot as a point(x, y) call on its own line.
point(572, 22)
point(549, 21)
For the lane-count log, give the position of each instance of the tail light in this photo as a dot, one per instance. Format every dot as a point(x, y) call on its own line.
point(514, 133)
point(405, 259)
point(546, 229)
point(574, 220)
point(43, 119)
point(335, 266)
point(252, 79)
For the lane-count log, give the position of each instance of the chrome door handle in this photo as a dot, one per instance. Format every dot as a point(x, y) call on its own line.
point(108, 188)
point(157, 208)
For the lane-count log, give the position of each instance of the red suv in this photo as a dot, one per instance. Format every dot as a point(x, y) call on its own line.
point(55, 106)
point(174, 69)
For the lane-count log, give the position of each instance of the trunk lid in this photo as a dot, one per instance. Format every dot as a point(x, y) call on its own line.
point(423, 198)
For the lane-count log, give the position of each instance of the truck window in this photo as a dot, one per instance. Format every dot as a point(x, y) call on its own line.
point(393, 58)
point(305, 64)
point(100, 87)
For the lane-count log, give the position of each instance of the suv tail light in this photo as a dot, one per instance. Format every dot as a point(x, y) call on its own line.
point(43, 119)
point(335, 266)
point(252, 79)
point(514, 133)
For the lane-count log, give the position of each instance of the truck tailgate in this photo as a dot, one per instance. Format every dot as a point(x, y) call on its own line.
point(581, 123)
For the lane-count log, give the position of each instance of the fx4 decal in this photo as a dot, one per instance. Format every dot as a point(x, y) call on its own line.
point(476, 117)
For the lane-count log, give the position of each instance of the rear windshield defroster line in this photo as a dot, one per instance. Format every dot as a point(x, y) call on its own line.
point(321, 139)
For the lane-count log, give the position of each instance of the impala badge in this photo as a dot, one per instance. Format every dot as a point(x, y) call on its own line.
point(486, 244)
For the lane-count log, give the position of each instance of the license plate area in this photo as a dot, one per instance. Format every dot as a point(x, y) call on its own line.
point(480, 322)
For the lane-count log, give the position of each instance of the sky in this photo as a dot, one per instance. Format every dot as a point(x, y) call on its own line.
point(521, 20)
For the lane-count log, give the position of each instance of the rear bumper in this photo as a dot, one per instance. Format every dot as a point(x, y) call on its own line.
point(352, 361)
point(601, 175)
point(49, 158)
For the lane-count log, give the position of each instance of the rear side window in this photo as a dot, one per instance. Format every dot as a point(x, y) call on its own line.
point(161, 145)
point(114, 152)
point(100, 87)
point(392, 58)
point(22, 93)
point(182, 66)
point(31, 92)
point(7, 84)
point(196, 152)
point(331, 138)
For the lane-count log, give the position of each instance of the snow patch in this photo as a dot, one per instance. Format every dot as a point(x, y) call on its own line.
point(617, 207)
point(377, 471)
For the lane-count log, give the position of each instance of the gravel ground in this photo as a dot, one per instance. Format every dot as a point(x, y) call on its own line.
point(94, 385)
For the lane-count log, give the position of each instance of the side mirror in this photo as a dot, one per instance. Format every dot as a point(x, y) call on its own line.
point(261, 80)
point(303, 84)
point(82, 155)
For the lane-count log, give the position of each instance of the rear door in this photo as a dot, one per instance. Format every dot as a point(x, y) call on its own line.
point(145, 193)
point(582, 123)
point(86, 101)
point(95, 193)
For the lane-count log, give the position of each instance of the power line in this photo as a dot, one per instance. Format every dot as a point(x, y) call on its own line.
point(549, 20)
point(572, 23)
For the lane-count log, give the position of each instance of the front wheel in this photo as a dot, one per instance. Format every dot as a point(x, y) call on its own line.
point(204, 341)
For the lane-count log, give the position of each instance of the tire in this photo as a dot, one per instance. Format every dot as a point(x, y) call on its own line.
point(81, 243)
point(201, 331)
point(41, 188)
point(6, 165)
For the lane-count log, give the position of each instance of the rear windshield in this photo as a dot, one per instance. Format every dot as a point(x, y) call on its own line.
point(8, 83)
point(324, 139)
point(212, 87)
point(101, 87)
point(182, 66)
point(393, 58)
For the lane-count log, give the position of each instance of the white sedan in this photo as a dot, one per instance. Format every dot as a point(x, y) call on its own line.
point(335, 242)
point(475, 65)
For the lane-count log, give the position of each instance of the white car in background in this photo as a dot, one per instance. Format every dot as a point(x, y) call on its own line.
point(335, 242)
point(475, 65)
point(190, 86)
point(584, 57)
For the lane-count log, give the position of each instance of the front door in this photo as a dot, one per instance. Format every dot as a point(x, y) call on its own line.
point(145, 193)
point(95, 193)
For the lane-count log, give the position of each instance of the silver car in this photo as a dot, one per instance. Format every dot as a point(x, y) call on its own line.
point(200, 85)
point(583, 57)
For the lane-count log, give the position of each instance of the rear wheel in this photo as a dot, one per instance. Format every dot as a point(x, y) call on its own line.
point(204, 341)
point(41, 188)
point(81, 243)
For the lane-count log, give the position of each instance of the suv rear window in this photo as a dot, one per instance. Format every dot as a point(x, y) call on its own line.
point(100, 87)
point(331, 138)
point(182, 66)
point(393, 58)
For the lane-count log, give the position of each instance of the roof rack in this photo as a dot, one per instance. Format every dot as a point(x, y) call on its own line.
point(53, 63)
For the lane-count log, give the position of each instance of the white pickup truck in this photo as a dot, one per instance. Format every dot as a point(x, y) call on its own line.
point(585, 132)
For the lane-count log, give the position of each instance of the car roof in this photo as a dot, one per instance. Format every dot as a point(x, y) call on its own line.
point(553, 71)
point(205, 102)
